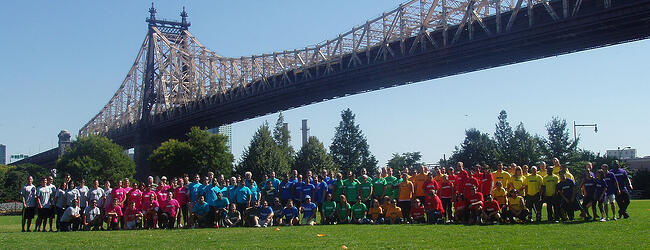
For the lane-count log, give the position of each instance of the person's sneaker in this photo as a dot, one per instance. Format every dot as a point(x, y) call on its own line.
point(603, 219)
point(23, 230)
point(257, 225)
point(625, 215)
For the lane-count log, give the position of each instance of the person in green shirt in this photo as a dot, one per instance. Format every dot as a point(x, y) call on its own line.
point(329, 211)
point(339, 187)
point(343, 210)
point(378, 187)
point(366, 190)
point(364, 172)
point(359, 211)
point(389, 188)
point(351, 187)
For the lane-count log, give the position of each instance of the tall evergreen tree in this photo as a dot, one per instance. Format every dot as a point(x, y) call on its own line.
point(503, 137)
point(559, 144)
point(406, 160)
point(263, 156)
point(313, 157)
point(349, 148)
point(282, 138)
point(526, 149)
point(477, 148)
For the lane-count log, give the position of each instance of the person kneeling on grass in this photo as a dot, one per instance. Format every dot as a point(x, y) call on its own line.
point(170, 209)
point(265, 213)
point(133, 217)
point(343, 210)
point(475, 200)
point(416, 215)
point(113, 215)
point(277, 211)
point(359, 211)
point(433, 207)
point(199, 213)
point(394, 213)
point(252, 215)
point(308, 210)
point(376, 213)
point(150, 209)
point(329, 210)
point(234, 217)
point(71, 217)
point(491, 210)
point(516, 207)
point(460, 209)
point(92, 217)
point(290, 216)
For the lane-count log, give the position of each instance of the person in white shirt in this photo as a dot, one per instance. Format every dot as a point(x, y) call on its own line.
point(28, 193)
point(44, 201)
point(51, 186)
point(96, 193)
point(59, 204)
point(92, 217)
point(83, 195)
point(71, 194)
point(71, 217)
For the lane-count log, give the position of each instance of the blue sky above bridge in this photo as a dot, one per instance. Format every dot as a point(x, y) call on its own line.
point(64, 60)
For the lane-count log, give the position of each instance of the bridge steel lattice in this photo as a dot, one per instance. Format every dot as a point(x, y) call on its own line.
point(176, 82)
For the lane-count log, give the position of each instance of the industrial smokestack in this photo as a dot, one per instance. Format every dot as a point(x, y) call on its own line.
point(305, 132)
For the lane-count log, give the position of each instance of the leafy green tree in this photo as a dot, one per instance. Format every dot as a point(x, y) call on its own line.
point(349, 148)
point(14, 177)
point(96, 157)
point(406, 160)
point(282, 138)
point(503, 137)
point(559, 144)
point(172, 158)
point(263, 156)
point(203, 152)
point(313, 157)
point(477, 148)
point(525, 147)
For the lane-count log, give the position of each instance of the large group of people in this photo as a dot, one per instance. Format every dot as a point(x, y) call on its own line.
point(478, 195)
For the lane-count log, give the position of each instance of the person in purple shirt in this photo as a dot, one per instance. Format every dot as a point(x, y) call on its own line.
point(588, 200)
point(599, 194)
point(625, 186)
point(611, 191)
point(307, 189)
point(568, 202)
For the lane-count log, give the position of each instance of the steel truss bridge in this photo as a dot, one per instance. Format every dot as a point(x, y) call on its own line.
point(176, 82)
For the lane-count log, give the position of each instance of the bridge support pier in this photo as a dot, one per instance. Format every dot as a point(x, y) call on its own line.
point(142, 151)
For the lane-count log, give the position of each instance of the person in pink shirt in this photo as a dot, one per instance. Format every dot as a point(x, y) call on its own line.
point(127, 186)
point(147, 195)
point(150, 210)
point(119, 194)
point(135, 196)
point(133, 217)
point(162, 195)
point(182, 196)
point(113, 215)
point(170, 209)
point(162, 185)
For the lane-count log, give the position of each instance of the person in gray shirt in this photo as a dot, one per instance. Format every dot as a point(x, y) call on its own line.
point(60, 204)
point(96, 193)
point(71, 217)
point(28, 194)
point(83, 194)
point(71, 194)
point(92, 217)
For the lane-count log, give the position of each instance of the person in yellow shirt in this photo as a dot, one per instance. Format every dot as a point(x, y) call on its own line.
point(394, 213)
point(438, 178)
point(406, 191)
point(376, 213)
point(500, 195)
point(516, 207)
point(501, 175)
point(557, 167)
point(524, 170)
point(541, 169)
point(533, 185)
point(516, 181)
point(511, 169)
point(549, 195)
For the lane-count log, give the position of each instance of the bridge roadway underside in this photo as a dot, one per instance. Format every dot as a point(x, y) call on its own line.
point(593, 27)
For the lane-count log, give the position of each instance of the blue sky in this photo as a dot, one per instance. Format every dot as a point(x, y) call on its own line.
point(63, 60)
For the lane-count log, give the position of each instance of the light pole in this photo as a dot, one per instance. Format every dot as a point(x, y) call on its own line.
point(575, 136)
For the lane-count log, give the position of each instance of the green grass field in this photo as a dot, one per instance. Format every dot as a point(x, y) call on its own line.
point(633, 233)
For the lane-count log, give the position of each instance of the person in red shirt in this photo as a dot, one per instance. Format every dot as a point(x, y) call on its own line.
point(133, 216)
point(475, 201)
point(433, 207)
point(113, 214)
point(491, 210)
point(181, 193)
point(461, 178)
point(430, 184)
point(468, 184)
point(446, 196)
point(150, 210)
point(417, 212)
point(170, 209)
point(486, 180)
point(460, 209)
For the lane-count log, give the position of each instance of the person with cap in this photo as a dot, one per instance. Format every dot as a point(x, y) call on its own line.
point(516, 207)
point(549, 195)
point(308, 210)
point(221, 209)
point(533, 185)
point(71, 218)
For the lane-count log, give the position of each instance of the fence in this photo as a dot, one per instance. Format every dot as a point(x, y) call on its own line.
point(11, 208)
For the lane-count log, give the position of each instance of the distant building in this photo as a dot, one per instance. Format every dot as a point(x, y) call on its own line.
point(305, 132)
point(622, 154)
point(639, 163)
point(3, 154)
point(224, 130)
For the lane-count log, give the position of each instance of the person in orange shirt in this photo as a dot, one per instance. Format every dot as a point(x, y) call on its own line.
point(394, 214)
point(376, 213)
point(418, 182)
point(406, 190)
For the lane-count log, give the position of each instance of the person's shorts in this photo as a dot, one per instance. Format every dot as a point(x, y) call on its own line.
point(45, 212)
point(587, 200)
point(310, 221)
point(610, 198)
point(28, 212)
point(131, 224)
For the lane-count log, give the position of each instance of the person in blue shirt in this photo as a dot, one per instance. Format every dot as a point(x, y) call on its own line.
point(599, 194)
point(307, 190)
point(275, 182)
point(221, 209)
point(308, 210)
point(204, 186)
point(193, 188)
point(625, 186)
point(290, 216)
point(248, 180)
point(265, 213)
point(568, 202)
point(232, 189)
point(297, 191)
point(255, 192)
point(611, 191)
point(321, 191)
point(242, 197)
point(277, 211)
point(286, 188)
point(199, 212)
